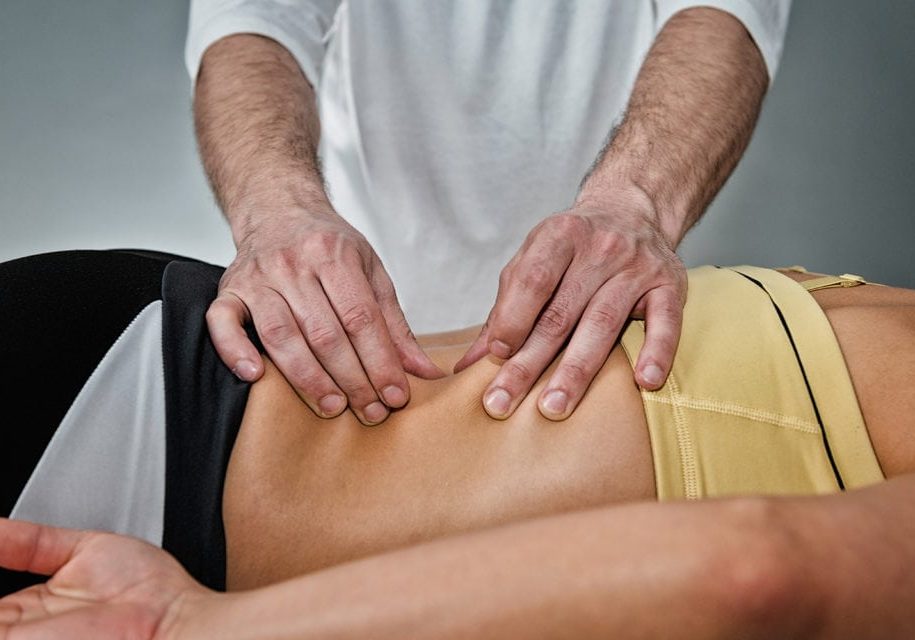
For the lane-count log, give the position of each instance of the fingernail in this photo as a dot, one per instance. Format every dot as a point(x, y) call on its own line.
point(245, 370)
point(652, 375)
point(375, 413)
point(497, 403)
point(394, 396)
point(331, 404)
point(500, 349)
point(554, 403)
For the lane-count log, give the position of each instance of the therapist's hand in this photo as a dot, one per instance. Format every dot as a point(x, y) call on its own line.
point(576, 279)
point(326, 312)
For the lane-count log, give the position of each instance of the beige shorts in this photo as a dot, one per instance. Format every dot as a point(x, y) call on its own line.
point(759, 400)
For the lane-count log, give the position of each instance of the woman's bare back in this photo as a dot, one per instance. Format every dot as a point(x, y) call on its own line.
point(304, 493)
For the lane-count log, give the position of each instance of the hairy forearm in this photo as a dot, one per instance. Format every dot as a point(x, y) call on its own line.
point(702, 570)
point(257, 128)
point(690, 117)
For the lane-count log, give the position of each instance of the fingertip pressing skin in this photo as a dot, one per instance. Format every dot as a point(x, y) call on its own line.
point(331, 405)
point(374, 413)
point(497, 403)
point(394, 396)
point(561, 396)
point(554, 404)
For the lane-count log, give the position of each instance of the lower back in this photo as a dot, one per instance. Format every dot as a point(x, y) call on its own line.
point(304, 493)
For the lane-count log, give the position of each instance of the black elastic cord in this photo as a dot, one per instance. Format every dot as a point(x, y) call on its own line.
point(816, 410)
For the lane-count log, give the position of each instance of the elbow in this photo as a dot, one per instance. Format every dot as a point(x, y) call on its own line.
point(762, 579)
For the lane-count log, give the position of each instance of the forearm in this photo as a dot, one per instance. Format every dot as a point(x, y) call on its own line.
point(861, 550)
point(257, 128)
point(709, 570)
point(691, 114)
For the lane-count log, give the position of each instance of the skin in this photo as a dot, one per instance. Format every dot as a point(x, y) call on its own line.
point(444, 467)
point(752, 567)
point(441, 467)
point(325, 308)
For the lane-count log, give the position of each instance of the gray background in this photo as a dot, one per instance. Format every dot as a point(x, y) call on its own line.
point(97, 149)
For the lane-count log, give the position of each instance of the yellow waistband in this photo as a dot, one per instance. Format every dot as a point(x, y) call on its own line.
point(759, 399)
point(827, 374)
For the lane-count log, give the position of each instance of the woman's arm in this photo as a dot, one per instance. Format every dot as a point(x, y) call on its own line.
point(831, 567)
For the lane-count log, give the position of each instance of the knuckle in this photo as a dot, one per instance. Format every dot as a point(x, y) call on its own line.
point(214, 312)
point(279, 262)
point(506, 276)
point(275, 331)
point(576, 371)
point(350, 253)
point(537, 278)
point(612, 242)
point(313, 383)
point(325, 241)
point(323, 247)
point(554, 321)
point(385, 292)
point(606, 316)
point(400, 332)
point(507, 328)
point(568, 223)
point(518, 371)
point(324, 337)
point(357, 318)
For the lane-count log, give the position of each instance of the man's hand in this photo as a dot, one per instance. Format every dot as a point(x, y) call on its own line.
point(317, 294)
point(326, 312)
point(689, 118)
point(582, 273)
point(103, 585)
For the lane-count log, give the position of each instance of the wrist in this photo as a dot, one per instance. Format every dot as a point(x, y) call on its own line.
point(648, 189)
point(615, 191)
point(281, 203)
point(194, 614)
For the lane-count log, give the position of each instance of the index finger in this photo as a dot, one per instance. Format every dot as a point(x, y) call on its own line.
point(524, 289)
point(588, 348)
point(353, 301)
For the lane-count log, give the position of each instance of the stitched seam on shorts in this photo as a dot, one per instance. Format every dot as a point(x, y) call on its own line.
point(685, 444)
point(740, 411)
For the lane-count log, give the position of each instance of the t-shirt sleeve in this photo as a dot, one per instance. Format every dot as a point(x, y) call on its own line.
point(765, 20)
point(301, 26)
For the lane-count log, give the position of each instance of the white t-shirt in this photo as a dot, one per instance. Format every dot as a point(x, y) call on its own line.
point(450, 128)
